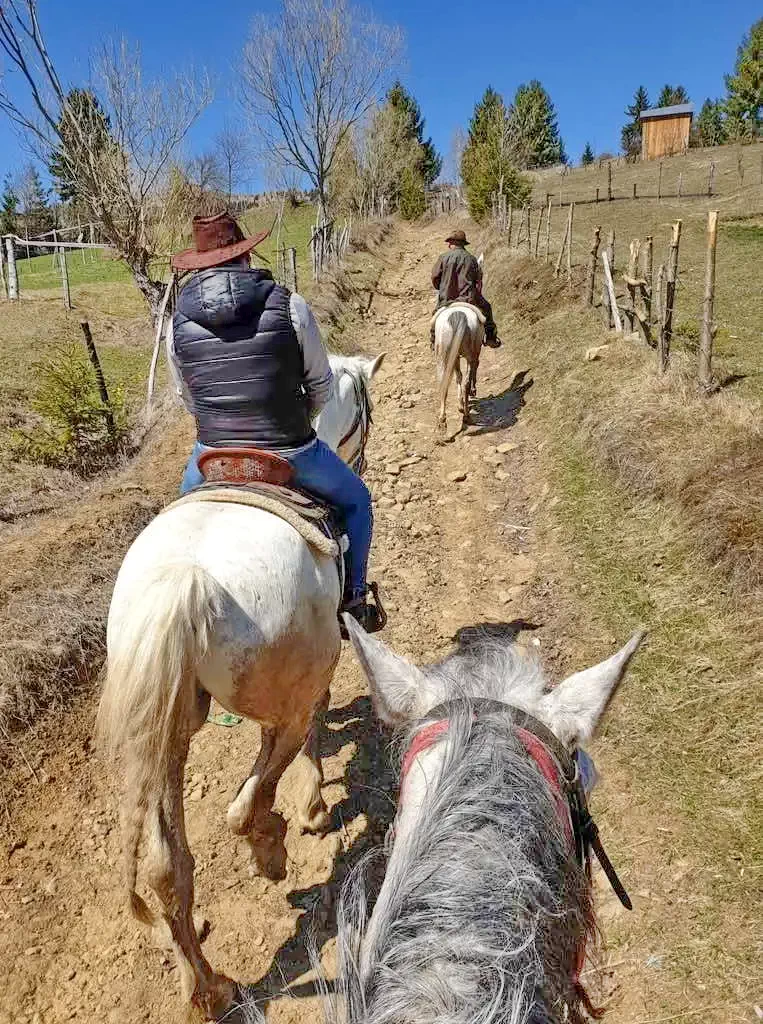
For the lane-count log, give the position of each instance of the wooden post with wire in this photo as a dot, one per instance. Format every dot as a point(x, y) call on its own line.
point(529, 231)
point(659, 182)
point(609, 180)
point(666, 330)
point(569, 243)
point(92, 354)
point(537, 232)
point(611, 290)
point(710, 178)
point(65, 278)
point(709, 329)
point(606, 306)
point(548, 225)
point(647, 272)
point(591, 280)
point(13, 276)
point(558, 266)
point(510, 225)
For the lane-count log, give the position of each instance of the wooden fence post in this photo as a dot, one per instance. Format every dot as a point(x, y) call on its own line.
point(3, 281)
point(605, 304)
point(548, 226)
point(529, 231)
point(13, 276)
point(591, 282)
point(659, 182)
point(511, 225)
point(708, 327)
point(597, 193)
point(647, 272)
point(659, 291)
point(569, 244)
point(102, 389)
point(611, 290)
point(740, 166)
point(635, 193)
point(558, 266)
point(65, 278)
point(293, 264)
point(609, 180)
point(680, 182)
point(710, 177)
point(666, 333)
point(537, 232)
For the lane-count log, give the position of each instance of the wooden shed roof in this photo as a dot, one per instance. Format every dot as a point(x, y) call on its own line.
point(677, 110)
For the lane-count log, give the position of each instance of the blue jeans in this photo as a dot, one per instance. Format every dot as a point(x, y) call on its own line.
point(321, 472)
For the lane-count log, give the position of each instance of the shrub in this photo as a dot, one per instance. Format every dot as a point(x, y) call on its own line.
point(413, 201)
point(687, 333)
point(72, 431)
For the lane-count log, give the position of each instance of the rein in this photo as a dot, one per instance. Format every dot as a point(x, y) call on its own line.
point(361, 423)
point(556, 764)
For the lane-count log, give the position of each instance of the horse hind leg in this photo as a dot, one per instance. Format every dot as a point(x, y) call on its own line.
point(311, 809)
point(170, 868)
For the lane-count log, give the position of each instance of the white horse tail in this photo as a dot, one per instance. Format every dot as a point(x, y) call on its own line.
point(458, 325)
point(148, 704)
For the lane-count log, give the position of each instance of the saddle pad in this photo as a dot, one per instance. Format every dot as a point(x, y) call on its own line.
point(464, 306)
point(310, 519)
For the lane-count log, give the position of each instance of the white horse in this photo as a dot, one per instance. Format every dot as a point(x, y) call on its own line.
point(459, 333)
point(224, 601)
point(485, 908)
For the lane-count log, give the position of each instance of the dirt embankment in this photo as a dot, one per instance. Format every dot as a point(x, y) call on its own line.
point(515, 521)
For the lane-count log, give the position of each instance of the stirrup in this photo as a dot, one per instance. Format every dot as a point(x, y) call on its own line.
point(372, 617)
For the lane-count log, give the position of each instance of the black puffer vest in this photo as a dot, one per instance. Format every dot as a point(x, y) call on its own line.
point(240, 359)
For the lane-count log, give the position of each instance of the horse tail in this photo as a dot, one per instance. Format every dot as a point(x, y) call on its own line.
point(148, 703)
point(459, 325)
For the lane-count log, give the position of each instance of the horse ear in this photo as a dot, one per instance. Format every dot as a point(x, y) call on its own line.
point(575, 706)
point(372, 366)
point(395, 683)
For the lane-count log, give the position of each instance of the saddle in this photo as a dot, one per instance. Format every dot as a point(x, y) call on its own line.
point(264, 480)
point(458, 304)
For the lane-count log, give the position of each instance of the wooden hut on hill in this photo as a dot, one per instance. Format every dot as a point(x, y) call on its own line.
point(665, 130)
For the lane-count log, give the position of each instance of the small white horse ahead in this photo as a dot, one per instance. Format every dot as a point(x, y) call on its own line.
point(224, 601)
point(486, 903)
point(459, 333)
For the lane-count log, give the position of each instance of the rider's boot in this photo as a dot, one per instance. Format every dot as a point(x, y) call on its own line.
point(371, 617)
point(491, 339)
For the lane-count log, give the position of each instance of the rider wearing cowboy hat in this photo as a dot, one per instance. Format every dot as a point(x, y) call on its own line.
point(457, 276)
point(248, 360)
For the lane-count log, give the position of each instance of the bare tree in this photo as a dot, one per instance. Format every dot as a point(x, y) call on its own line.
point(311, 72)
point(233, 155)
point(119, 177)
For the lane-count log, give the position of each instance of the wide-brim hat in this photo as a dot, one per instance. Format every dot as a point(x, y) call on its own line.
point(217, 240)
point(457, 238)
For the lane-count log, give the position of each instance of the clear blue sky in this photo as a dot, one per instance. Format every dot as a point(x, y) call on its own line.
point(590, 56)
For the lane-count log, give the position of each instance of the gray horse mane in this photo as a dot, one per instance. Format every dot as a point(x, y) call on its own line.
point(488, 911)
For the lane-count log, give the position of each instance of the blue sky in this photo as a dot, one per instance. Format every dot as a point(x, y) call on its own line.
point(590, 57)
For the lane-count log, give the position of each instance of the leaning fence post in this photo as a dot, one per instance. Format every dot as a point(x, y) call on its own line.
point(708, 327)
point(609, 180)
point(293, 262)
point(537, 232)
point(680, 182)
point(666, 333)
point(558, 266)
point(605, 303)
point(569, 243)
point(65, 278)
point(102, 389)
point(710, 176)
point(529, 231)
point(548, 225)
point(591, 282)
point(647, 272)
point(13, 277)
point(611, 291)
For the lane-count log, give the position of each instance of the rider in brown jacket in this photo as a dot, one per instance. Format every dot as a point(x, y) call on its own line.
point(457, 276)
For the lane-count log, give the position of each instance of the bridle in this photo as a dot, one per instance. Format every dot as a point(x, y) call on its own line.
point(557, 765)
point(361, 423)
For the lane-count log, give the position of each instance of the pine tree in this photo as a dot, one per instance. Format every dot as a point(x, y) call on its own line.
point(413, 201)
point(406, 106)
point(710, 129)
point(533, 128)
point(630, 136)
point(85, 131)
point(9, 203)
point(33, 200)
point(588, 156)
point(744, 89)
point(671, 95)
point(488, 165)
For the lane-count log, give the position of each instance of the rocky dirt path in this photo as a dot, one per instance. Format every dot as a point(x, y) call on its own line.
point(454, 546)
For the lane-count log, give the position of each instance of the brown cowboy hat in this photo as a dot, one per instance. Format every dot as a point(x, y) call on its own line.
point(216, 240)
point(457, 238)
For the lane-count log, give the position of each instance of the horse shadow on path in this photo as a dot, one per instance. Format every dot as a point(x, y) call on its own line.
point(371, 784)
point(497, 412)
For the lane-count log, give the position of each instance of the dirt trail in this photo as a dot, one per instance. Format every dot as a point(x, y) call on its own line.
point(450, 550)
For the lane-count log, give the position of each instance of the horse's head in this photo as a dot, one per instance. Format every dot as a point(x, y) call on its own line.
point(344, 421)
point(490, 666)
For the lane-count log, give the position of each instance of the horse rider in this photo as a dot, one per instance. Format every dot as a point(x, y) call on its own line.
point(248, 361)
point(457, 276)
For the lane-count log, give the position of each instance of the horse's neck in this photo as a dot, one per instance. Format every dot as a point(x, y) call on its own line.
point(335, 418)
point(477, 834)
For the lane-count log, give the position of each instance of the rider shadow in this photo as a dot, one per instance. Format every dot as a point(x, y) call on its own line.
point(356, 724)
point(497, 412)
